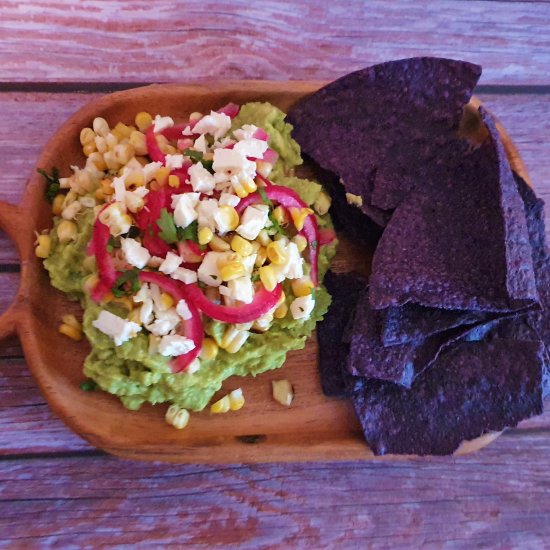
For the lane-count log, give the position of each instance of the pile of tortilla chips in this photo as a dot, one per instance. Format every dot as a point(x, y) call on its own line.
point(448, 338)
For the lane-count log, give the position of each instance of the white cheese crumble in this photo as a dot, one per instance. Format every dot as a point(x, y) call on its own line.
point(252, 147)
point(174, 344)
point(182, 309)
point(208, 271)
point(187, 276)
point(184, 208)
point(206, 209)
point(161, 123)
point(115, 327)
point(173, 162)
point(170, 263)
point(215, 124)
point(200, 144)
point(229, 199)
point(245, 132)
point(201, 179)
point(253, 220)
point(302, 307)
point(135, 254)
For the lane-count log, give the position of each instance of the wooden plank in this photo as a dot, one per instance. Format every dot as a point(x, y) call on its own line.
point(497, 498)
point(128, 41)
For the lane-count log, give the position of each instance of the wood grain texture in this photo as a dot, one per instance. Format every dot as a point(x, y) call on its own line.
point(99, 41)
point(497, 498)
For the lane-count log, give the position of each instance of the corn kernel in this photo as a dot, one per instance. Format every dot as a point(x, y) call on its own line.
point(264, 168)
point(263, 323)
point(87, 135)
point(137, 140)
point(205, 235)
point(299, 216)
point(173, 181)
point(70, 331)
point(44, 246)
point(112, 141)
point(277, 253)
point(134, 179)
point(101, 144)
point(143, 120)
point(233, 339)
point(268, 277)
point(229, 216)
point(281, 239)
point(101, 127)
point(242, 246)
point(300, 241)
point(57, 204)
point(244, 186)
point(302, 287)
point(122, 130)
point(82, 182)
point(281, 311)
point(123, 153)
point(280, 215)
point(177, 417)
point(322, 203)
point(282, 392)
point(66, 231)
point(263, 238)
point(97, 159)
point(261, 257)
point(89, 148)
point(194, 116)
point(218, 244)
point(71, 320)
point(89, 264)
point(221, 406)
point(163, 143)
point(111, 161)
point(232, 269)
point(125, 301)
point(209, 349)
point(161, 175)
point(236, 399)
point(166, 300)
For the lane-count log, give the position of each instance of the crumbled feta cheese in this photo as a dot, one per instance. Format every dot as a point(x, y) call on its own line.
point(120, 188)
point(201, 145)
point(134, 199)
point(173, 162)
point(170, 263)
point(206, 209)
point(135, 254)
point(174, 344)
point(226, 142)
point(161, 123)
point(302, 307)
point(146, 311)
point(87, 202)
point(215, 124)
point(245, 132)
point(193, 367)
point(253, 221)
point(133, 165)
point(229, 163)
point(248, 262)
point(182, 309)
point(295, 264)
point(165, 322)
point(115, 217)
point(187, 276)
point(208, 272)
point(241, 289)
point(229, 199)
point(252, 147)
point(187, 131)
point(115, 327)
point(144, 293)
point(201, 179)
point(149, 170)
point(184, 208)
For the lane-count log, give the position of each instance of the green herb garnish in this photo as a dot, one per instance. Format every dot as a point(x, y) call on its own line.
point(168, 231)
point(52, 183)
point(190, 233)
point(197, 156)
point(127, 283)
point(265, 199)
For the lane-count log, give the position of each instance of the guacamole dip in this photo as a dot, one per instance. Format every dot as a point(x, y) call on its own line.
point(195, 251)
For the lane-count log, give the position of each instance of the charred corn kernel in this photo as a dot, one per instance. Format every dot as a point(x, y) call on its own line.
point(300, 241)
point(97, 159)
point(263, 237)
point(277, 253)
point(90, 283)
point(299, 216)
point(134, 316)
point(209, 349)
point(161, 175)
point(229, 216)
point(221, 405)
point(322, 203)
point(280, 215)
point(111, 161)
point(134, 179)
point(71, 320)
point(218, 244)
point(242, 246)
point(261, 256)
point(123, 153)
point(268, 277)
point(143, 120)
point(233, 339)
point(112, 142)
point(177, 417)
point(302, 287)
point(232, 269)
point(57, 204)
point(236, 399)
point(282, 392)
point(66, 231)
point(106, 187)
point(122, 130)
point(100, 126)
point(173, 181)
point(137, 140)
point(101, 144)
point(264, 168)
point(87, 135)
point(281, 311)
point(205, 235)
point(89, 148)
point(71, 332)
point(166, 300)
point(43, 247)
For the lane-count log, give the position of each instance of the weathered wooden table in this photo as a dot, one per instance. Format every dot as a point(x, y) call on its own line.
point(57, 490)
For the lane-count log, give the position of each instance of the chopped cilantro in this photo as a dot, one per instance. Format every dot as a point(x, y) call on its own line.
point(197, 156)
point(127, 279)
point(88, 385)
point(313, 292)
point(168, 231)
point(112, 243)
point(52, 183)
point(190, 233)
point(265, 199)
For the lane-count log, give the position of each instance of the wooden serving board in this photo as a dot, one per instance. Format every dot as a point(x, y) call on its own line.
point(313, 428)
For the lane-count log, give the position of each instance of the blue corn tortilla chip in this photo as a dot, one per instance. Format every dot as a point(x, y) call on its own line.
point(380, 127)
point(344, 289)
point(473, 388)
point(459, 244)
